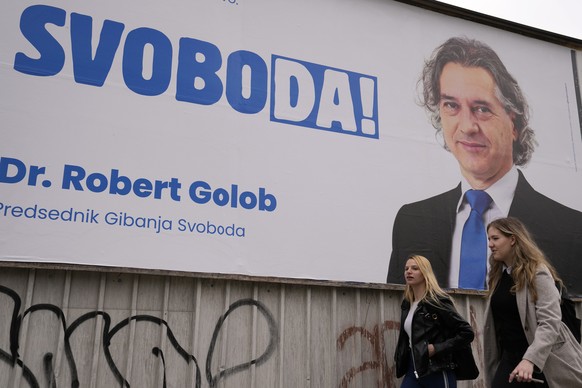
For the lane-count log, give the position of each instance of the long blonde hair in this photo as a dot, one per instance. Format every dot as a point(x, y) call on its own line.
point(432, 290)
point(527, 258)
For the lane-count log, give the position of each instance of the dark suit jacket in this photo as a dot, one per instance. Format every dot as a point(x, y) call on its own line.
point(426, 228)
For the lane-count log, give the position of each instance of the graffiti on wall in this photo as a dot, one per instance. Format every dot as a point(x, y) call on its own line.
point(167, 350)
point(110, 336)
point(385, 370)
point(380, 362)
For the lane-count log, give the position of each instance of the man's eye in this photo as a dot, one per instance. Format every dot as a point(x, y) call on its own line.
point(450, 108)
point(482, 111)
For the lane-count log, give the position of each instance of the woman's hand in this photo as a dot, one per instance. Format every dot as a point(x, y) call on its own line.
point(522, 372)
point(430, 350)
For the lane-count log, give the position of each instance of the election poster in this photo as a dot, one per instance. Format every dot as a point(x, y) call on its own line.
point(267, 138)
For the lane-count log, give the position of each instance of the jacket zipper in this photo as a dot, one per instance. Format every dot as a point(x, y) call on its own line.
point(411, 342)
point(414, 364)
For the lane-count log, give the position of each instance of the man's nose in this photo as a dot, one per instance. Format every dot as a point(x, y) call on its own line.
point(467, 121)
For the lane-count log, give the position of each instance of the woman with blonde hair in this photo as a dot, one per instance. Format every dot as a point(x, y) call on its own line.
point(434, 339)
point(526, 341)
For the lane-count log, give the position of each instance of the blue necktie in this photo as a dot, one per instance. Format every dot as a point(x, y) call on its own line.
point(474, 243)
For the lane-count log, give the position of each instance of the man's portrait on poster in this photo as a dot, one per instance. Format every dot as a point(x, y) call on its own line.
point(480, 111)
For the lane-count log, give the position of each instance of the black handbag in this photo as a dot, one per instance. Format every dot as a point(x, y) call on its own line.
point(465, 369)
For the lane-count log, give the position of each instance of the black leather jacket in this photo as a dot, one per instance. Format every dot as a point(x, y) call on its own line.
point(441, 326)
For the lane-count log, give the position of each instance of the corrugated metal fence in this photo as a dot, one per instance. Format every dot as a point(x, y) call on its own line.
point(68, 327)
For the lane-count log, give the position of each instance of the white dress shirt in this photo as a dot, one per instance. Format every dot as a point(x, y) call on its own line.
point(408, 321)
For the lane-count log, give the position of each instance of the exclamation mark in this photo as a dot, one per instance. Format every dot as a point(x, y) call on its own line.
point(367, 93)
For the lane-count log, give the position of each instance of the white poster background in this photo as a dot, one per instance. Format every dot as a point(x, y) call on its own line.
point(337, 194)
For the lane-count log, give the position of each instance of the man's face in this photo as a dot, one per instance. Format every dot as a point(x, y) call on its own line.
point(476, 127)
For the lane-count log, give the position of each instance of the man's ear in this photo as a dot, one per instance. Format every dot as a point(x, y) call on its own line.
point(513, 129)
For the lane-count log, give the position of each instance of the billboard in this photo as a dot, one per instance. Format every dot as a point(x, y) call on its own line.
point(263, 138)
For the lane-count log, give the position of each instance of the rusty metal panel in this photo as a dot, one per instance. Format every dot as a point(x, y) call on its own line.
point(66, 327)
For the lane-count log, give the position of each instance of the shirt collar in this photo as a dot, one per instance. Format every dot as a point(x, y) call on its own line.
point(501, 192)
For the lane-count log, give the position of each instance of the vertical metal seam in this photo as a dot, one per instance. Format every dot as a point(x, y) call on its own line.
point(196, 325)
point(381, 334)
point(98, 332)
point(254, 326)
point(223, 345)
point(23, 333)
point(281, 334)
point(61, 337)
point(164, 330)
point(308, 337)
point(131, 339)
point(381, 309)
point(334, 329)
point(358, 378)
